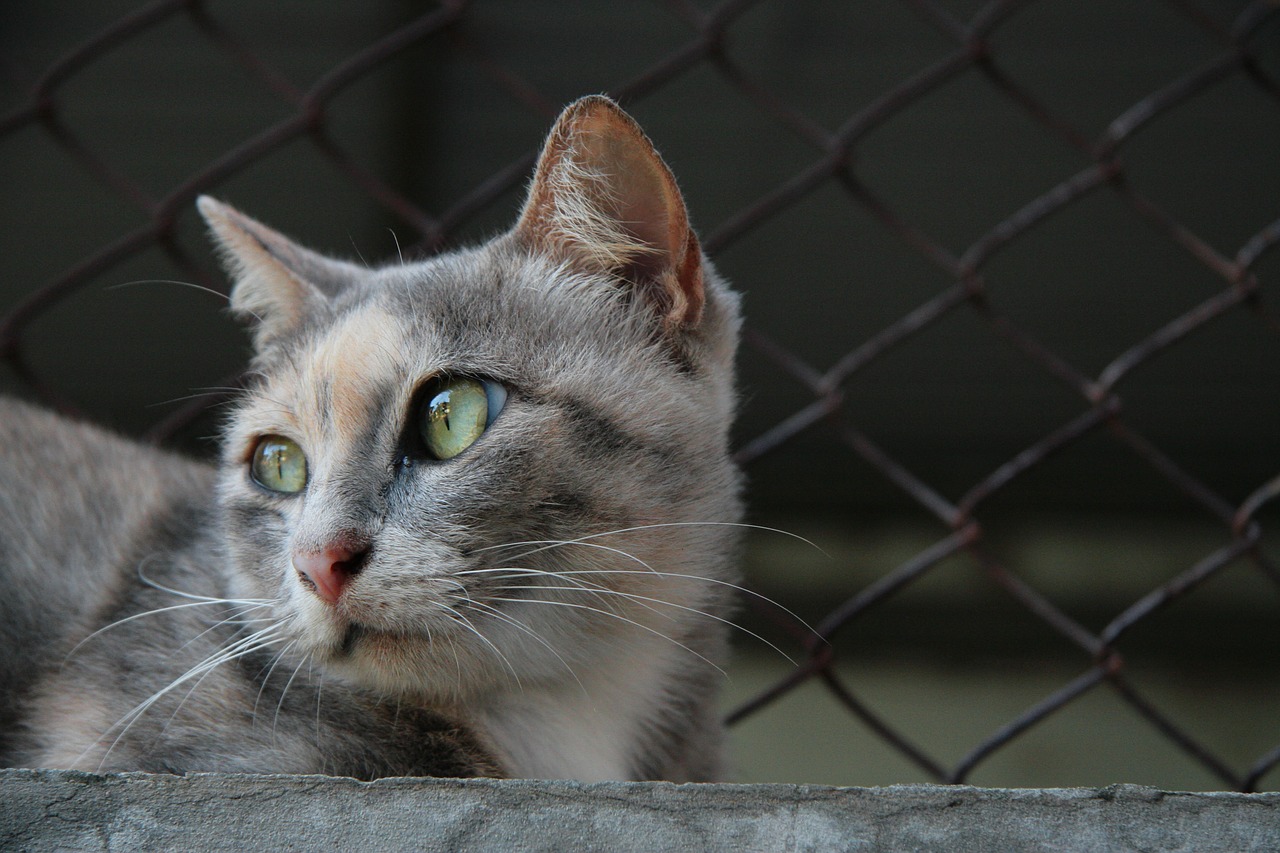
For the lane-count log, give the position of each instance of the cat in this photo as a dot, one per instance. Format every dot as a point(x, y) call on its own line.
point(473, 515)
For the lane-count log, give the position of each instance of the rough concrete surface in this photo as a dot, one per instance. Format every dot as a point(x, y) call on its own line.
point(62, 810)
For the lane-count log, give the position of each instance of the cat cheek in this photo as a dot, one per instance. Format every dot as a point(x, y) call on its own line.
point(259, 531)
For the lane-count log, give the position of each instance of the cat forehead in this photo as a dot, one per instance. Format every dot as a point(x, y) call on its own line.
point(484, 312)
point(497, 309)
point(362, 348)
point(493, 283)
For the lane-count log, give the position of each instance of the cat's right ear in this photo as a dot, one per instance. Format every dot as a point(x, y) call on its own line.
point(277, 284)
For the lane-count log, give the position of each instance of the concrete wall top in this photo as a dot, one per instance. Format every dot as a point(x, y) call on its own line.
point(62, 810)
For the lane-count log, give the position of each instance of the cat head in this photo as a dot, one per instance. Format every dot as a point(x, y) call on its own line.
point(501, 463)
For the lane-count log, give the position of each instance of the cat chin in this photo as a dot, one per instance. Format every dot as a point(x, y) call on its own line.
point(434, 665)
point(392, 665)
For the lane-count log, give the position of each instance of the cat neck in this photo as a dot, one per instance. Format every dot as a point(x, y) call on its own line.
point(587, 727)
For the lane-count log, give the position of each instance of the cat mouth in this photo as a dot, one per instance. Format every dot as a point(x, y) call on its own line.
point(349, 639)
point(364, 638)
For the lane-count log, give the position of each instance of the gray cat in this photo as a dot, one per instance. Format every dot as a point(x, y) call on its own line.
point(474, 515)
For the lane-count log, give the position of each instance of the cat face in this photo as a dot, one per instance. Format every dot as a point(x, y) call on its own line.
point(501, 464)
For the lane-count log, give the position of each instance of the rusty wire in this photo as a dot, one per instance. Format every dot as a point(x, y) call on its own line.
point(1102, 411)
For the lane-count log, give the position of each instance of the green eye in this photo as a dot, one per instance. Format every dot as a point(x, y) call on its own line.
point(457, 412)
point(279, 465)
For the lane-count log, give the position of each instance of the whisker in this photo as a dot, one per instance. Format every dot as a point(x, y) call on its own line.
point(154, 584)
point(193, 687)
point(119, 622)
point(462, 620)
point(213, 392)
point(266, 679)
point(319, 692)
point(660, 525)
point(285, 691)
point(516, 623)
point(643, 598)
point(552, 544)
point(178, 282)
point(254, 642)
point(352, 239)
point(549, 544)
point(717, 581)
point(579, 585)
point(618, 617)
point(239, 629)
point(529, 571)
point(396, 238)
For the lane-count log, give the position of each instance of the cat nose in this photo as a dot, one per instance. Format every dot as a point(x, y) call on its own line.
point(328, 571)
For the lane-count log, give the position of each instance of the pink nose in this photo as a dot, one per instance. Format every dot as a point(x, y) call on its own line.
point(328, 571)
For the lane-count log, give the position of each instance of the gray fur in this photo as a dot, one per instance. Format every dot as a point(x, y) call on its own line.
point(550, 602)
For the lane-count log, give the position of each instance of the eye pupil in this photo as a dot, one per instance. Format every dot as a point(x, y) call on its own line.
point(456, 414)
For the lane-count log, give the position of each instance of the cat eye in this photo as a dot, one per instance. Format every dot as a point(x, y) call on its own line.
point(278, 464)
point(457, 412)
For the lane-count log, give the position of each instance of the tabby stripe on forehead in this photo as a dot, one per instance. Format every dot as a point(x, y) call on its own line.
point(382, 425)
point(376, 401)
point(324, 401)
point(349, 365)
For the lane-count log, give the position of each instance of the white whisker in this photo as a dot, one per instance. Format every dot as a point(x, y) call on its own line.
point(516, 623)
point(639, 599)
point(551, 544)
point(319, 693)
point(658, 526)
point(216, 392)
point(216, 625)
point(640, 625)
point(179, 283)
point(580, 584)
point(247, 645)
point(266, 679)
point(650, 572)
point(306, 659)
point(195, 686)
point(462, 620)
point(396, 238)
point(205, 603)
point(154, 584)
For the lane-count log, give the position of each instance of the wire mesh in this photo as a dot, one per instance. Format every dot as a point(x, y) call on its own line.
point(704, 44)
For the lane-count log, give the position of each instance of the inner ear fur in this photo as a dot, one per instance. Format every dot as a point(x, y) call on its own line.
point(603, 200)
point(277, 283)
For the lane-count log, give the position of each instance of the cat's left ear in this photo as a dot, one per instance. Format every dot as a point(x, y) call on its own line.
point(605, 202)
point(277, 283)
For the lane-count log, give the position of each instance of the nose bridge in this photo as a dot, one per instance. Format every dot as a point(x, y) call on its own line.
point(357, 365)
point(355, 385)
point(345, 506)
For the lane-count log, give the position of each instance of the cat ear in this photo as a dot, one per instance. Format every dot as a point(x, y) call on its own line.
point(278, 283)
point(603, 200)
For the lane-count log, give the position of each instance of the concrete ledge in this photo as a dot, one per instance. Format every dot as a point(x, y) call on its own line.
point(60, 810)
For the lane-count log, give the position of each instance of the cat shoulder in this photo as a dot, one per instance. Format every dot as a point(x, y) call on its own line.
point(41, 448)
point(69, 489)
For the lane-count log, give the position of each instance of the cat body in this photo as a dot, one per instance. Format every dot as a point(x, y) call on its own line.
point(474, 515)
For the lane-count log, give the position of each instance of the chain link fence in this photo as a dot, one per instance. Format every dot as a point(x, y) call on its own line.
point(311, 105)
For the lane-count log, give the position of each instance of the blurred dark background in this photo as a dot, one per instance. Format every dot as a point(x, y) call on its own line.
point(852, 167)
